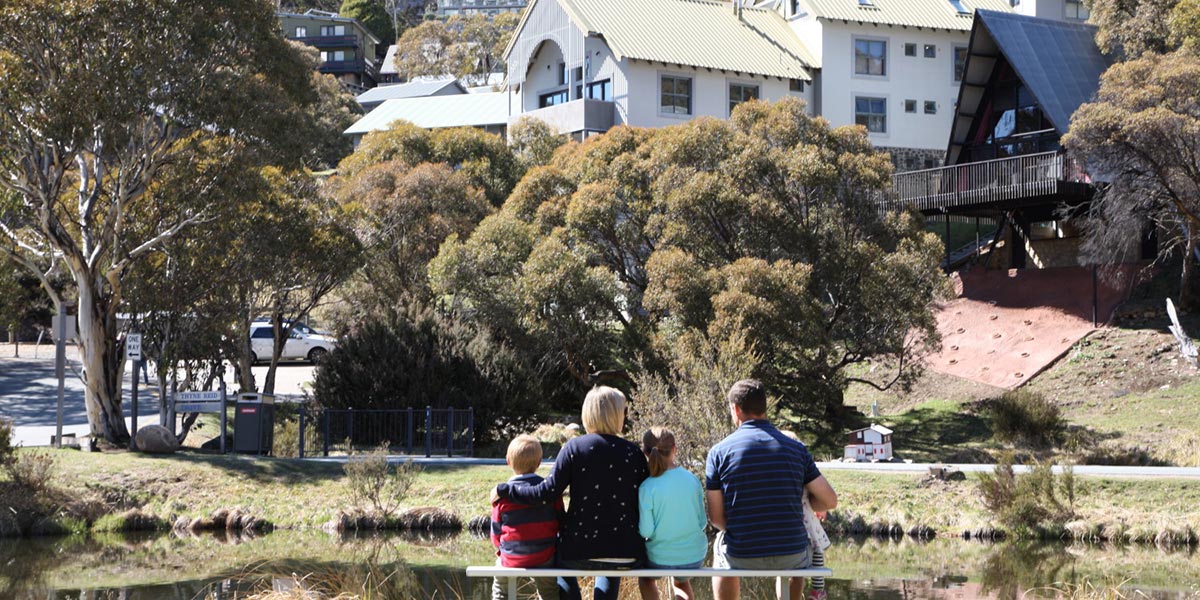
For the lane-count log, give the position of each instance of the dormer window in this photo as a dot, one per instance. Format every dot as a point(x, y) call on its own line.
point(870, 3)
point(959, 7)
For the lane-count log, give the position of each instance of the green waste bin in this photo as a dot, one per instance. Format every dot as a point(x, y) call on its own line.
point(254, 424)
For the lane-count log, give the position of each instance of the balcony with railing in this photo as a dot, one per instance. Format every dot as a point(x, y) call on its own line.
point(329, 41)
point(1015, 179)
point(354, 65)
point(576, 116)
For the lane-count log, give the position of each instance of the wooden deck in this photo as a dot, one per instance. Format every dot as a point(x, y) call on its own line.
point(1003, 181)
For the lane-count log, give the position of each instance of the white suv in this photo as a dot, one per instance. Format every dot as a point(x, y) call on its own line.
point(304, 344)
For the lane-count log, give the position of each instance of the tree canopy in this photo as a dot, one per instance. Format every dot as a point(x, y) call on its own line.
point(373, 15)
point(98, 127)
point(1140, 136)
point(470, 48)
point(639, 248)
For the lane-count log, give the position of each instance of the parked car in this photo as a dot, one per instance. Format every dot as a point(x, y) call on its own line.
point(305, 343)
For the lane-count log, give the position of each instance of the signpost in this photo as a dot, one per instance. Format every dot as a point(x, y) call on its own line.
point(204, 402)
point(64, 327)
point(133, 351)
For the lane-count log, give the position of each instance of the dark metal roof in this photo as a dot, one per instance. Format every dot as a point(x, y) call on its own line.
point(1058, 61)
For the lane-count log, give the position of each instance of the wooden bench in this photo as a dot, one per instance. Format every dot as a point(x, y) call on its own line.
point(513, 574)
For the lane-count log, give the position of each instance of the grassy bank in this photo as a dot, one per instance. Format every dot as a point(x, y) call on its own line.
point(298, 494)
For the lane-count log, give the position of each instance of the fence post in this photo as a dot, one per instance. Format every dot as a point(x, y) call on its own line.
point(470, 431)
point(450, 433)
point(325, 444)
point(301, 430)
point(408, 439)
point(428, 431)
point(350, 430)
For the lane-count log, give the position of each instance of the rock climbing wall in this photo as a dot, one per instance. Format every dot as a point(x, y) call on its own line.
point(1007, 326)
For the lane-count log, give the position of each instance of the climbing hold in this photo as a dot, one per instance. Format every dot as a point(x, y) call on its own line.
point(1018, 375)
point(993, 317)
point(996, 336)
point(1028, 322)
point(1024, 355)
point(961, 330)
point(954, 361)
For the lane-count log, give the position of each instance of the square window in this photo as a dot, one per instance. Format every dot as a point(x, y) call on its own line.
point(676, 95)
point(1075, 10)
point(910, 106)
point(870, 57)
point(910, 49)
point(871, 113)
point(301, 32)
point(930, 51)
point(600, 90)
point(930, 107)
point(562, 74)
point(577, 72)
point(741, 92)
point(796, 85)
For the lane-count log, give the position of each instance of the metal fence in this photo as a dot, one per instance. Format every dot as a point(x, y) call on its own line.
point(428, 431)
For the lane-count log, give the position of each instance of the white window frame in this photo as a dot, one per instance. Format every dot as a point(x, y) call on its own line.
point(301, 31)
point(691, 95)
point(729, 83)
point(887, 61)
point(886, 109)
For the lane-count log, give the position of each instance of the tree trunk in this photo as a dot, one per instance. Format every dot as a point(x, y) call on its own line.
point(1185, 279)
point(101, 363)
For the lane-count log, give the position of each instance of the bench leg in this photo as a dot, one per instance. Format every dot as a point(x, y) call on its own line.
point(512, 588)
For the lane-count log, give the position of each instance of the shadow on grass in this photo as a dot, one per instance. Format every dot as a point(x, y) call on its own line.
point(932, 434)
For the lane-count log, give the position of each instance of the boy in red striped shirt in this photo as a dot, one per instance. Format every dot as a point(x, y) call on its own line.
point(525, 535)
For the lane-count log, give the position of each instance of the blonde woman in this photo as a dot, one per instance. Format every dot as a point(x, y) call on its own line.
point(604, 472)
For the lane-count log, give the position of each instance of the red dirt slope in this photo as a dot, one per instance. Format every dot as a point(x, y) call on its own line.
point(1007, 326)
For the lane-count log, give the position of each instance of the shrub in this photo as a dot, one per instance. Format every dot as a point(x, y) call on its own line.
point(1027, 417)
point(1037, 503)
point(287, 431)
point(376, 486)
point(417, 358)
point(32, 470)
point(691, 402)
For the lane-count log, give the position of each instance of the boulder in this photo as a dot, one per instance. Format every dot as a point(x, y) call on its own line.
point(156, 439)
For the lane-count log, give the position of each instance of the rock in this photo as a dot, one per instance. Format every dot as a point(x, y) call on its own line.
point(427, 518)
point(575, 427)
point(156, 439)
point(480, 525)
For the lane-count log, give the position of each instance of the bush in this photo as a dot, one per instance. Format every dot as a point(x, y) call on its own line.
point(287, 431)
point(691, 403)
point(375, 486)
point(1027, 417)
point(418, 358)
point(1037, 503)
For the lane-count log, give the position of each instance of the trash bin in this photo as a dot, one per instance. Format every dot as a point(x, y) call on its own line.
point(254, 424)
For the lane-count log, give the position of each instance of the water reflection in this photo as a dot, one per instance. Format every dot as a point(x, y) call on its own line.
point(220, 566)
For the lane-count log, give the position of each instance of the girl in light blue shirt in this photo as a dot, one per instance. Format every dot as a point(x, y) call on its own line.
point(672, 518)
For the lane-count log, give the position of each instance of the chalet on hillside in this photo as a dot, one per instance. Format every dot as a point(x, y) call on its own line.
point(1023, 79)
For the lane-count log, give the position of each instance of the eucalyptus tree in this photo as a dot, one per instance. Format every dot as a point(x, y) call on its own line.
point(106, 106)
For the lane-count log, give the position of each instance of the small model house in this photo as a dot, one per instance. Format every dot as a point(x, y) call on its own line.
point(873, 443)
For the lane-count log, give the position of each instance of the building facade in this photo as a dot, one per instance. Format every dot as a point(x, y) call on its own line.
point(584, 66)
point(348, 50)
point(466, 8)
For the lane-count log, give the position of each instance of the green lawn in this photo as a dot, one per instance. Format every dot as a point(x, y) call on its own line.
point(301, 494)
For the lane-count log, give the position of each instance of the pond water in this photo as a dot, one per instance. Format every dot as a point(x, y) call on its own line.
point(408, 566)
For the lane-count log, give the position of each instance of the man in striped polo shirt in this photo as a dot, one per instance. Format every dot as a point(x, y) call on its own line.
point(755, 481)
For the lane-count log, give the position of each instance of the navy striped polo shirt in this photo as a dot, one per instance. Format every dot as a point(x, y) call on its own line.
point(762, 474)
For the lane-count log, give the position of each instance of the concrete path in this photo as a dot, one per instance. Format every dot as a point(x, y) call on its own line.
point(1084, 470)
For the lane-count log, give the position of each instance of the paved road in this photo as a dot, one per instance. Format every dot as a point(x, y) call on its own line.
point(29, 392)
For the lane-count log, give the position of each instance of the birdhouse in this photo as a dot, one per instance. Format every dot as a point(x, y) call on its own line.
point(871, 444)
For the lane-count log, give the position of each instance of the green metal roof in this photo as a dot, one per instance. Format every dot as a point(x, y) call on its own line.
point(694, 33)
point(931, 14)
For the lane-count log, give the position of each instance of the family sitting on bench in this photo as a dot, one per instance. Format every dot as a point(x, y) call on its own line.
point(633, 508)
